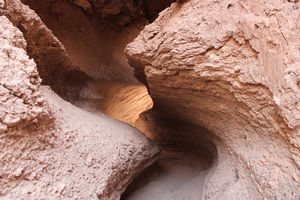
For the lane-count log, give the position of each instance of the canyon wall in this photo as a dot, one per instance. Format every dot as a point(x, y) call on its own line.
point(224, 77)
point(233, 68)
point(50, 149)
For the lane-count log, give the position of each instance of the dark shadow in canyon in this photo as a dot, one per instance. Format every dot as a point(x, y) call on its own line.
point(188, 154)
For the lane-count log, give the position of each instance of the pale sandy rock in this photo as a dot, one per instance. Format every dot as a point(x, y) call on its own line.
point(2, 4)
point(233, 68)
point(219, 175)
point(53, 61)
point(229, 66)
point(20, 99)
point(78, 155)
point(69, 153)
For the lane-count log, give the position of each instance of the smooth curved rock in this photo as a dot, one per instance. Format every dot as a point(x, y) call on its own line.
point(233, 68)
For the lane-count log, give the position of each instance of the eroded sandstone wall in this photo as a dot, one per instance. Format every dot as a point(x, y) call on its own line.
point(50, 149)
point(72, 46)
point(233, 68)
point(55, 64)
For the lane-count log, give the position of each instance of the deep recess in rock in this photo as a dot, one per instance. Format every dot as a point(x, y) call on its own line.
point(92, 46)
point(231, 67)
point(49, 148)
point(188, 155)
point(154, 7)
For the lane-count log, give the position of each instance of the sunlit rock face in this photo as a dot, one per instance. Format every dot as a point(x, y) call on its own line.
point(233, 68)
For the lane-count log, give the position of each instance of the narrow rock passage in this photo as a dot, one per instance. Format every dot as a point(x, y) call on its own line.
point(119, 100)
point(223, 75)
point(110, 88)
point(175, 176)
point(185, 158)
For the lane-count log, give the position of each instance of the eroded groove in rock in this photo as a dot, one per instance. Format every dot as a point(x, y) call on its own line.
point(233, 69)
point(71, 52)
point(90, 47)
point(119, 100)
point(91, 156)
point(193, 161)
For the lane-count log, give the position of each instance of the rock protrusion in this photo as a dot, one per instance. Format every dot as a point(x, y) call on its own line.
point(231, 68)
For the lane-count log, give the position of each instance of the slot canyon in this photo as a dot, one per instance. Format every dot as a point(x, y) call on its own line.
point(150, 99)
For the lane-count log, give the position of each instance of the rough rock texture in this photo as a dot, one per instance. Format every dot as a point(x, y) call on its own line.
point(55, 65)
point(229, 66)
point(220, 175)
point(233, 68)
point(69, 52)
point(20, 99)
point(2, 6)
point(117, 12)
point(122, 12)
point(69, 153)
